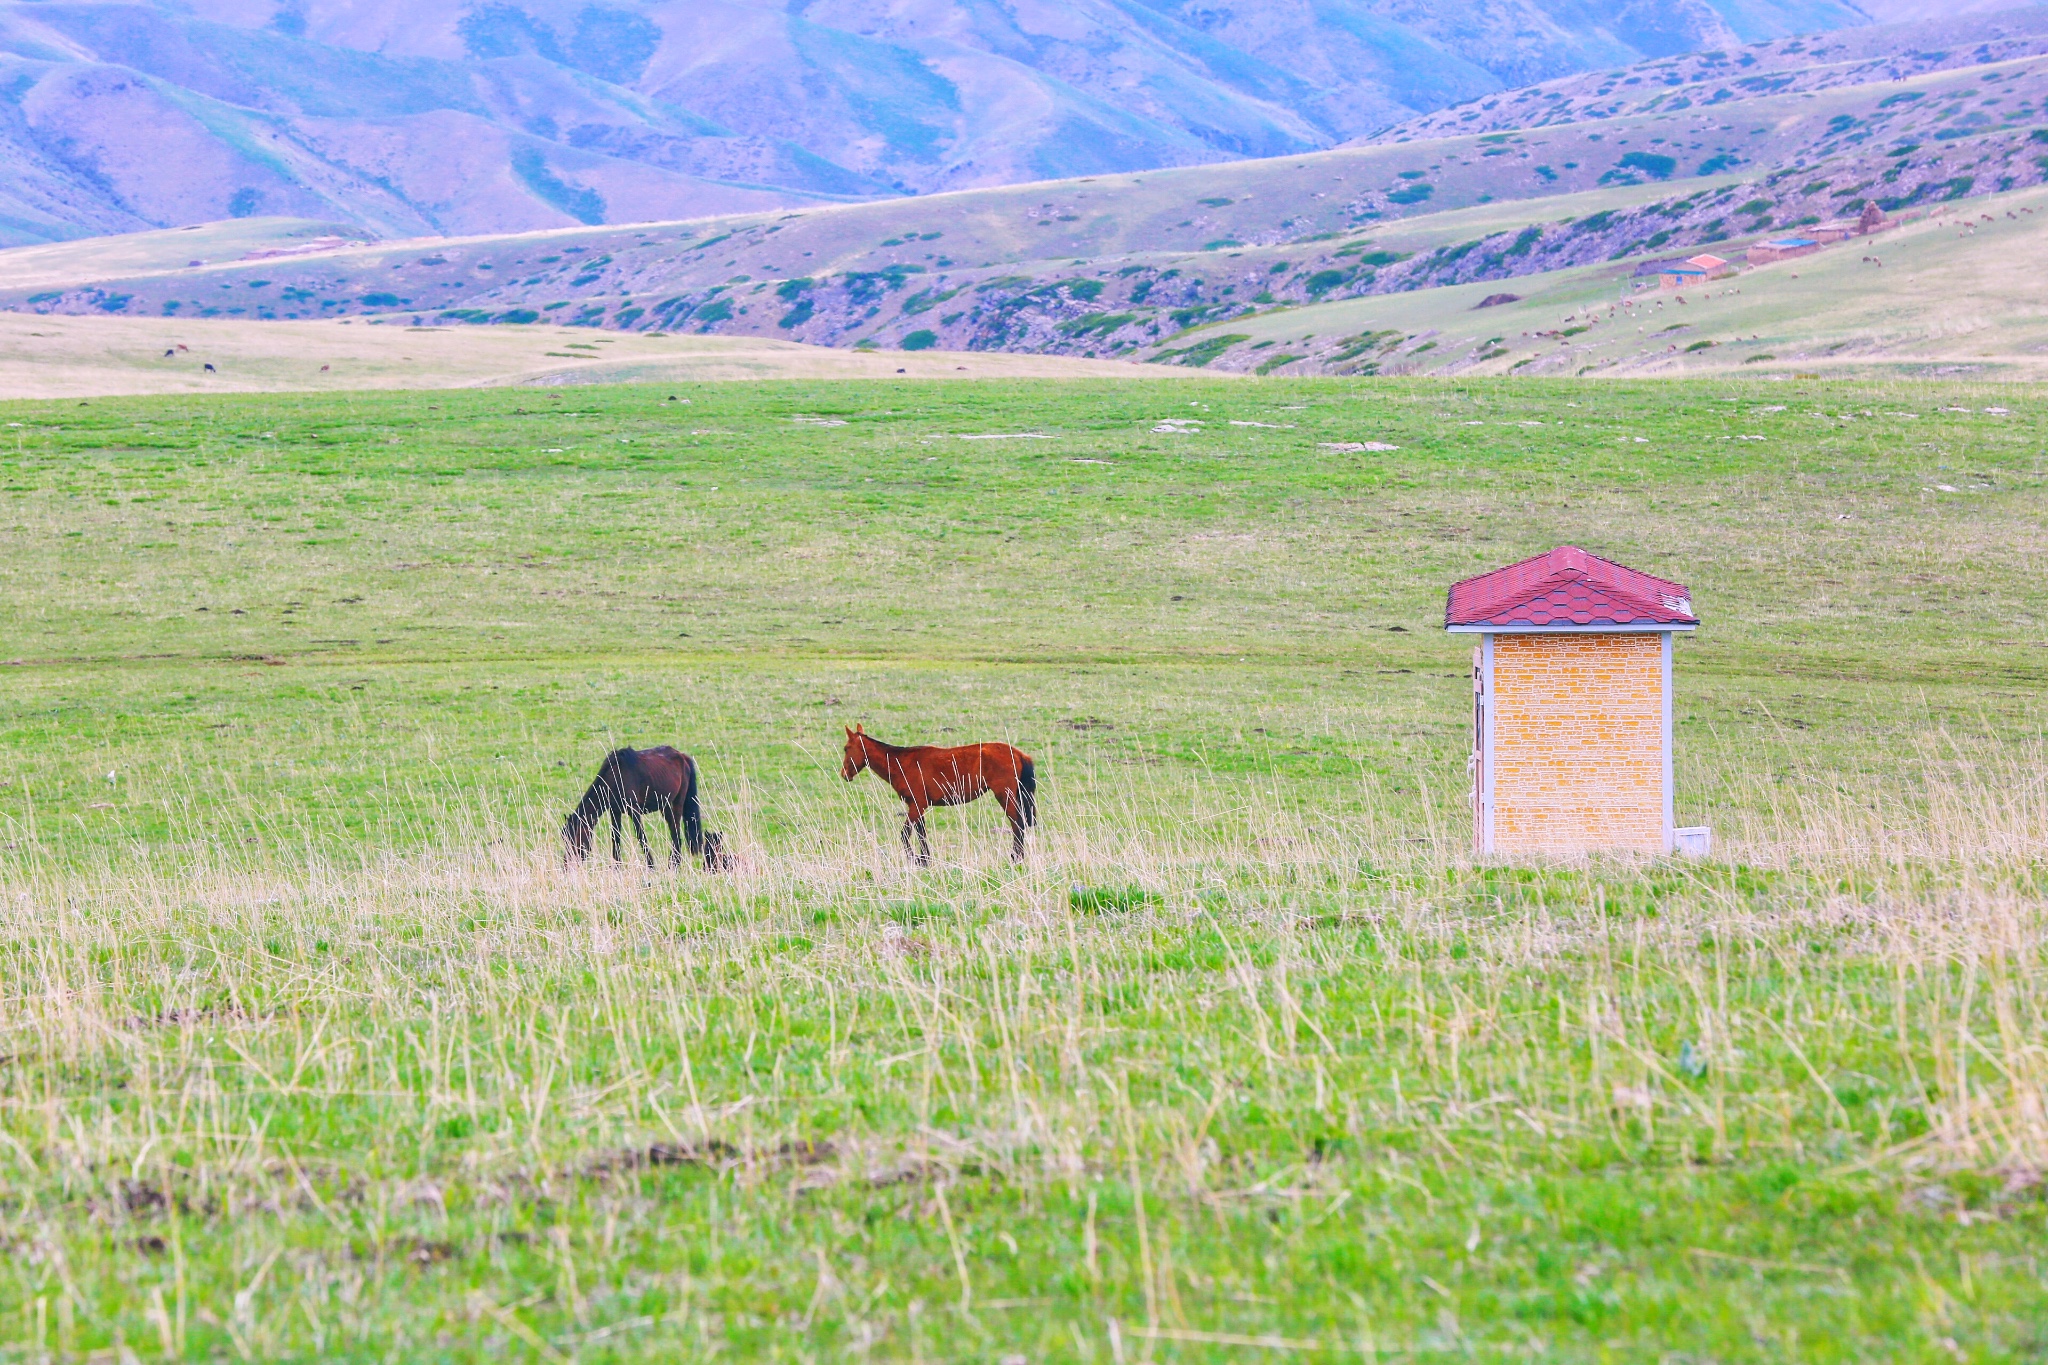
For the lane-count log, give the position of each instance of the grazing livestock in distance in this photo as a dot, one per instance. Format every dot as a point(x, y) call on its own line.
point(631, 782)
point(209, 367)
point(926, 775)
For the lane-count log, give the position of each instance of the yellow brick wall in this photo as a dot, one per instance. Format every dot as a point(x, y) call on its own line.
point(1578, 743)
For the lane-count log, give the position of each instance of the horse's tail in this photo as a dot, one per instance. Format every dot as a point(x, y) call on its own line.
point(1027, 791)
point(693, 814)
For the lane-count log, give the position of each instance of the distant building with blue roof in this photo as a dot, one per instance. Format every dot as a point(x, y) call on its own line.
point(1783, 249)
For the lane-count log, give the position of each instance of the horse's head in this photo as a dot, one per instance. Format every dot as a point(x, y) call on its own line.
point(856, 754)
point(576, 831)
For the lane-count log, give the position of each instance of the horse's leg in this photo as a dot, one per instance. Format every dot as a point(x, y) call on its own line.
point(913, 819)
point(618, 831)
point(675, 837)
point(640, 833)
point(1014, 809)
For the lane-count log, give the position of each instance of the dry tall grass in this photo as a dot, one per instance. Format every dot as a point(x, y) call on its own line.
point(1358, 974)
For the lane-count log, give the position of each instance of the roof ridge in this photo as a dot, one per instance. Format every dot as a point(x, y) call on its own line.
point(1568, 586)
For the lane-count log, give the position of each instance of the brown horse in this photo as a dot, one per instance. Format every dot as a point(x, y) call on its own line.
point(926, 775)
point(632, 781)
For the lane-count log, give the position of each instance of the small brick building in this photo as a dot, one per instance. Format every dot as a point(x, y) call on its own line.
point(1571, 703)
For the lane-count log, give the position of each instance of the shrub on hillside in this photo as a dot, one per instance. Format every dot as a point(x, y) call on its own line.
point(1652, 164)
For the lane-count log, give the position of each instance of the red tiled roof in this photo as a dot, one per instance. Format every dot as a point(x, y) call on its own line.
point(1568, 589)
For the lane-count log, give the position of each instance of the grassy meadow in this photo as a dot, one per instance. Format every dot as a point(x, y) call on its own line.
point(60, 357)
point(309, 1047)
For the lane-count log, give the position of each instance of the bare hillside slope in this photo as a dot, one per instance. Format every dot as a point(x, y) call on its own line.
point(511, 115)
point(1957, 291)
point(1115, 265)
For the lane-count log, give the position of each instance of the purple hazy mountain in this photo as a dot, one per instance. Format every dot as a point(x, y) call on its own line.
point(438, 117)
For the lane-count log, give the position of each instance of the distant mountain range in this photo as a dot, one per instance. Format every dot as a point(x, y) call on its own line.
point(1600, 176)
point(439, 117)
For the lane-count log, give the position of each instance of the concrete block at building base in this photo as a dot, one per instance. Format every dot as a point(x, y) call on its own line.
point(1693, 841)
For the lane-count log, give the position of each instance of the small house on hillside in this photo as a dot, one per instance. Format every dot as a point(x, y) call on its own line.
point(1571, 705)
point(1872, 219)
point(1784, 249)
point(1714, 266)
point(1680, 275)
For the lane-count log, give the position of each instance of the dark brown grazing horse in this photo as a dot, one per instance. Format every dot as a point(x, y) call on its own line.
point(632, 781)
point(926, 775)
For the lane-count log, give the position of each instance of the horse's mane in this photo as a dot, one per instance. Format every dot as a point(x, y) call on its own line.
point(593, 803)
point(610, 774)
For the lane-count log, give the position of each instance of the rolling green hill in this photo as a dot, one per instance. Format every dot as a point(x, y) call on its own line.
point(1958, 291)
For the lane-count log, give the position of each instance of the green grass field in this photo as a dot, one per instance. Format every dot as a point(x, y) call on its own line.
point(310, 1049)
